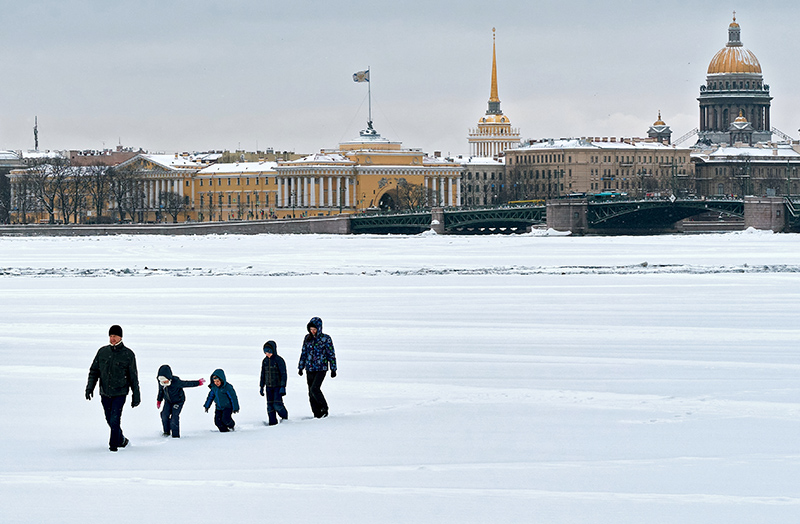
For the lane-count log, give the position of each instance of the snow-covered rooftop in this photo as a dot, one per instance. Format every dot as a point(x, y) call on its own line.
point(577, 143)
point(238, 167)
point(761, 152)
point(475, 160)
point(175, 161)
point(322, 158)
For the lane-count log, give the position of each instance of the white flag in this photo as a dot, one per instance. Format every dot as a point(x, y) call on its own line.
point(361, 76)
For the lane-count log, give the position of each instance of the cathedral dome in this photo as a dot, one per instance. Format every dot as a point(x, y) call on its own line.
point(734, 58)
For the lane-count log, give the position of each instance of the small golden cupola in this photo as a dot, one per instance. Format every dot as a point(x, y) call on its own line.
point(660, 131)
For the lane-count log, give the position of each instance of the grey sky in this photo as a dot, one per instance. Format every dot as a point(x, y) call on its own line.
point(172, 75)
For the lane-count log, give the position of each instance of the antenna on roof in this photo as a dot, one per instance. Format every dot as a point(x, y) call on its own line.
point(36, 133)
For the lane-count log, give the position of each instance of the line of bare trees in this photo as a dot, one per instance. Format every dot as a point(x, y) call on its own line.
point(93, 194)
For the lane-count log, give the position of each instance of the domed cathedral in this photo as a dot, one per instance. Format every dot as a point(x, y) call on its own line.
point(734, 92)
point(494, 133)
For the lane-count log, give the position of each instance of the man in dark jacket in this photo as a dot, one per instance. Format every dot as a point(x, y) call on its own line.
point(273, 379)
point(114, 366)
point(170, 390)
point(317, 353)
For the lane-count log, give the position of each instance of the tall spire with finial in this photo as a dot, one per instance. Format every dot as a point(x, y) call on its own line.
point(494, 100)
point(493, 96)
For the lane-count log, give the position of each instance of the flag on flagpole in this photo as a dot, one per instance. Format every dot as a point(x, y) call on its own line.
point(361, 76)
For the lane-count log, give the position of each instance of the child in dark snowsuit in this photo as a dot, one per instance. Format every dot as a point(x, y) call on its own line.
point(224, 396)
point(273, 379)
point(170, 390)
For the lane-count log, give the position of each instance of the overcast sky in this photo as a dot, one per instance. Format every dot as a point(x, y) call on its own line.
point(175, 75)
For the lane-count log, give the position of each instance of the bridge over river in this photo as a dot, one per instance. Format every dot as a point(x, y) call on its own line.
point(579, 216)
point(587, 216)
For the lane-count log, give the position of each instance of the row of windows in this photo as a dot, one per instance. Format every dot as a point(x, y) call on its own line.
point(490, 176)
point(597, 159)
point(768, 172)
point(542, 159)
point(728, 85)
point(534, 175)
point(231, 200)
point(238, 181)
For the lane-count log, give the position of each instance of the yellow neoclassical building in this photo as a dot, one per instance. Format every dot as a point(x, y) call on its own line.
point(368, 173)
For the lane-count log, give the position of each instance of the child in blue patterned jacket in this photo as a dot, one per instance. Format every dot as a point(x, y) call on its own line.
point(224, 397)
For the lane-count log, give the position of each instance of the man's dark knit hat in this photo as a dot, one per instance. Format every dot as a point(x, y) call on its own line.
point(115, 330)
point(270, 346)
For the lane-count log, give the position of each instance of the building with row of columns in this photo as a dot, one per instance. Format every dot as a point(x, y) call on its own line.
point(367, 173)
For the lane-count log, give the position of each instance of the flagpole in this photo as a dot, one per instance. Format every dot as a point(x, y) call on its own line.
point(369, 94)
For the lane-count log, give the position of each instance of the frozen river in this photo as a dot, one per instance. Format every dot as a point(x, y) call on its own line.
point(527, 378)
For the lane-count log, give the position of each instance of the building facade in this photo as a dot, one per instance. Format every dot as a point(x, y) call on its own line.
point(369, 173)
point(734, 87)
point(764, 169)
point(639, 167)
point(482, 181)
point(235, 191)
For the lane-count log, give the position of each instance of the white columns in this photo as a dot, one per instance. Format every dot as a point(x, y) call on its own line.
point(458, 192)
point(347, 192)
point(330, 191)
point(312, 182)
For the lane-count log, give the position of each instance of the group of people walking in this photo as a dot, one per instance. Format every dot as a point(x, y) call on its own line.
point(114, 367)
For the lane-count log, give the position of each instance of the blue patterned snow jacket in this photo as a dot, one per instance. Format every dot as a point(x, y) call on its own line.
point(224, 396)
point(317, 350)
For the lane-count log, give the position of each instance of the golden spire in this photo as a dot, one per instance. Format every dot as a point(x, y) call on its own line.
point(493, 95)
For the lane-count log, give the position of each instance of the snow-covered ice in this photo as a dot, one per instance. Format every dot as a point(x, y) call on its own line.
point(534, 378)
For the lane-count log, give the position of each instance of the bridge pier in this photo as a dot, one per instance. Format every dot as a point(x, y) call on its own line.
point(767, 213)
point(437, 220)
point(568, 215)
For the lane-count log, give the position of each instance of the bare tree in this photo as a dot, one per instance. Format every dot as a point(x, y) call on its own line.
point(411, 196)
point(126, 191)
point(72, 194)
point(173, 204)
point(5, 197)
point(22, 200)
point(47, 176)
point(98, 187)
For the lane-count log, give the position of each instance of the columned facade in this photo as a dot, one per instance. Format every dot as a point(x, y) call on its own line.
point(734, 87)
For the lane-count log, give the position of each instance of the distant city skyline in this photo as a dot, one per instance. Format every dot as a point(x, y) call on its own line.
point(183, 76)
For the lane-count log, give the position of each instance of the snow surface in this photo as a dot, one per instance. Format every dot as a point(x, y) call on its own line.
point(535, 378)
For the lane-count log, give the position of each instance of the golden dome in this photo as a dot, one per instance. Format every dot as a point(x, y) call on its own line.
point(659, 122)
point(734, 58)
point(741, 117)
